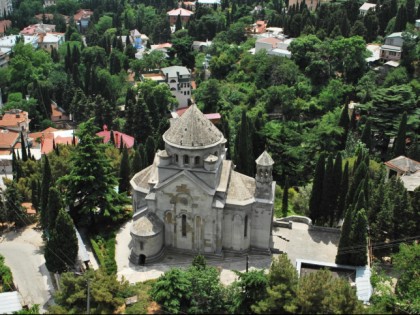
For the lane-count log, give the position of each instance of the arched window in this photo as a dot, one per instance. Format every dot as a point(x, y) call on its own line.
point(216, 153)
point(186, 160)
point(176, 158)
point(246, 226)
point(197, 160)
point(184, 225)
point(172, 81)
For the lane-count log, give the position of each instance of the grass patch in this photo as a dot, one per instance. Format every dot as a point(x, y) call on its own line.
point(278, 202)
point(144, 300)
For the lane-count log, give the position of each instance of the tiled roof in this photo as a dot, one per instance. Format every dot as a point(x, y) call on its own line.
point(174, 70)
point(269, 40)
point(127, 140)
point(47, 146)
point(141, 179)
point(403, 164)
point(180, 11)
point(147, 225)
point(10, 119)
point(82, 14)
point(193, 130)
point(8, 138)
point(29, 207)
point(241, 188)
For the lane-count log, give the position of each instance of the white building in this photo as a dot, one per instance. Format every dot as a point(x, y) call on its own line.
point(274, 46)
point(366, 7)
point(8, 42)
point(191, 200)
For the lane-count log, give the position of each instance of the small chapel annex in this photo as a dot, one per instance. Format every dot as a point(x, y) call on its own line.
point(192, 201)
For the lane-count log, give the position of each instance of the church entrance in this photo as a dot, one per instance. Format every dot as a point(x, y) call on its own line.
point(142, 260)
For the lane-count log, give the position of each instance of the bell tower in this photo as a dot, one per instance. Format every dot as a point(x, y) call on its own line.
point(264, 176)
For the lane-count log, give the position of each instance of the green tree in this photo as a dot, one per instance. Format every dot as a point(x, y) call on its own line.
point(329, 194)
point(366, 137)
point(23, 147)
point(316, 194)
point(243, 147)
point(62, 246)
point(124, 176)
point(401, 20)
point(320, 293)
point(285, 202)
point(53, 207)
point(178, 23)
point(90, 186)
point(281, 289)
point(13, 204)
point(150, 149)
point(45, 190)
point(358, 242)
point(399, 142)
point(136, 163)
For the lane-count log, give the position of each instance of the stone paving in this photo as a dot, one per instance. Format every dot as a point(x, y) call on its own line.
point(299, 242)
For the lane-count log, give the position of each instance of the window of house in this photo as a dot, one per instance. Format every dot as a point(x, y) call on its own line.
point(246, 226)
point(141, 246)
point(184, 225)
point(392, 53)
point(197, 160)
point(176, 158)
point(186, 159)
point(216, 153)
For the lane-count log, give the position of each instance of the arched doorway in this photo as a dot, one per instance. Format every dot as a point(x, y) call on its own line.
point(142, 260)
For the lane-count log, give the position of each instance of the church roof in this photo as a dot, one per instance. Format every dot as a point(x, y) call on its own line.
point(264, 159)
point(147, 225)
point(141, 179)
point(241, 188)
point(193, 130)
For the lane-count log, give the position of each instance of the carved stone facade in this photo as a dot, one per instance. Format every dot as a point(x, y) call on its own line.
point(191, 200)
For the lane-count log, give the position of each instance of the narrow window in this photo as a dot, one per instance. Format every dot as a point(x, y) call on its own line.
point(246, 226)
point(184, 225)
point(197, 160)
point(216, 153)
point(176, 158)
point(141, 245)
point(186, 159)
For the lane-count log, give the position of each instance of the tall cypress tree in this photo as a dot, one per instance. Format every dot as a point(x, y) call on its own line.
point(344, 187)
point(316, 194)
point(143, 156)
point(336, 179)
point(178, 23)
point(358, 240)
point(35, 194)
point(112, 138)
point(367, 135)
point(401, 19)
point(136, 163)
point(411, 11)
point(150, 150)
point(45, 189)
point(399, 143)
point(344, 245)
point(358, 178)
point(344, 123)
point(62, 247)
point(285, 203)
point(243, 147)
point(124, 180)
point(23, 147)
point(328, 193)
point(53, 207)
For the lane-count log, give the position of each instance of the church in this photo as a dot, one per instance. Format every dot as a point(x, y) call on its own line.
point(192, 201)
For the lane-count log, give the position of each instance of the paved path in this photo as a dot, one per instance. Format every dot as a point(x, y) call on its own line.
point(24, 256)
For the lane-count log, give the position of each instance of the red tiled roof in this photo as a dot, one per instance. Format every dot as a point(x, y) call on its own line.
point(8, 138)
point(10, 120)
point(82, 14)
point(127, 140)
point(180, 11)
point(47, 146)
point(212, 116)
point(29, 207)
point(48, 133)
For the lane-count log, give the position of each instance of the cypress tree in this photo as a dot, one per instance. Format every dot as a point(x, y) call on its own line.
point(143, 156)
point(367, 135)
point(136, 163)
point(45, 188)
point(358, 177)
point(121, 144)
point(34, 194)
point(358, 256)
point(344, 187)
point(178, 23)
point(401, 19)
point(328, 193)
point(62, 247)
point(150, 150)
point(411, 11)
point(243, 147)
point(73, 140)
point(14, 163)
point(418, 12)
point(53, 207)
point(23, 148)
point(316, 194)
point(124, 176)
point(285, 203)
point(112, 138)
point(399, 143)
point(344, 244)
point(336, 179)
point(15, 212)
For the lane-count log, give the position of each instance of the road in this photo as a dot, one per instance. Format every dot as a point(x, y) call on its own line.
point(23, 254)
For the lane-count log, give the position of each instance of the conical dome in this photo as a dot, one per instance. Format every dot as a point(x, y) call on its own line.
point(193, 130)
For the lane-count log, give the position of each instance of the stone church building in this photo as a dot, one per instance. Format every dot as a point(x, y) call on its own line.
point(191, 200)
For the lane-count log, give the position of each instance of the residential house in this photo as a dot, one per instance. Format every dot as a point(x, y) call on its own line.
point(4, 25)
point(406, 169)
point(39, 28)
point(51, 40)
point(209, 3)
point(46, 139)
point(366, 7)
point(200, 46)
point(274, 46)
point(189, 5)
point(6, 6)
point(391, 50)
point(8, 141)
point(58, 115)
point(311, 4)
point(50, 17)
point(375, 50)
point(161, 47)
point(179, 81)
point(184, 13)
point(82, 19)
point(259, 27)
point(128, 141)
point(15, 120)
point(8, 42)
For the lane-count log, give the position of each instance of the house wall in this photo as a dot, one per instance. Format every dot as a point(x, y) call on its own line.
point(390, 55)
point(261, 45)
point(394, 41)
point(180, 88)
